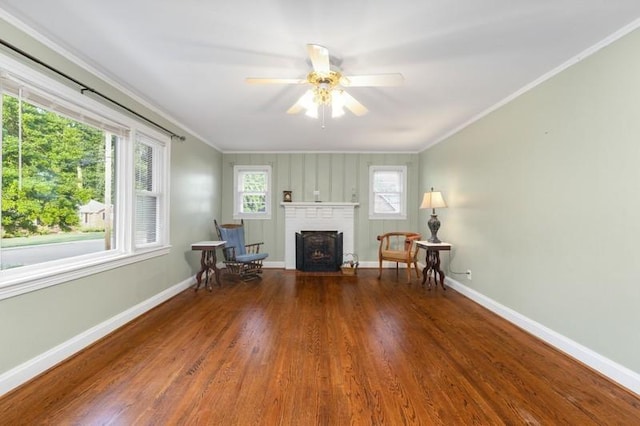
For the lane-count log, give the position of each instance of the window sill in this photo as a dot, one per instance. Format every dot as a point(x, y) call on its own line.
point(34, 279)
point(248, 217)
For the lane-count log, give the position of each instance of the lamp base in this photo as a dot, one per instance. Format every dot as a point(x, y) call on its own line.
point(434, 225)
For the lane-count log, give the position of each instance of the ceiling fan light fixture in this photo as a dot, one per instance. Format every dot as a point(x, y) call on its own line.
point(322, 95)
point(325, 90)
point(312, 111)
point(307, 100)
point(337, 103)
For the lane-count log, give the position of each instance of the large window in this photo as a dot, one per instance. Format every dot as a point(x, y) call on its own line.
point(252, 192)
point(388, 192)
point(83, 186)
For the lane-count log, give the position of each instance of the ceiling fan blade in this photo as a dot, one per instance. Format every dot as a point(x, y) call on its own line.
point(319, 56)
point(353, 105)
point(252, 80)
point(305, 101)
point(372, 80)
point(295, 108)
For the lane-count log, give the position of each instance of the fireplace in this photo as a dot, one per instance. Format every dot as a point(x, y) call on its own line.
point(318, 251)
point(310, 216)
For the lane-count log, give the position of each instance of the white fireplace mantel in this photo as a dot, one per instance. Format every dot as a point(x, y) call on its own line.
point(311, 216)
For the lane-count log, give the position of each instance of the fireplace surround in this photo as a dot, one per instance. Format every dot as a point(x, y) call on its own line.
point(310, 216)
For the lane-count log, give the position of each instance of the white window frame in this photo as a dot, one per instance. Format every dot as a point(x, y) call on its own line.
point(159, 188)
point(25, 279)
point(237, 195)
point(402, 214)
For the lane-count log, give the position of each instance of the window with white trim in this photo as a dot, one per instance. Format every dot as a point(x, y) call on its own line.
point(252, 192)
point(148, 186)
point(84, 187)
point(387, 192)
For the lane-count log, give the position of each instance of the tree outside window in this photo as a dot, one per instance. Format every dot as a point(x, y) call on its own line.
point(52, 167)
point(252, 194)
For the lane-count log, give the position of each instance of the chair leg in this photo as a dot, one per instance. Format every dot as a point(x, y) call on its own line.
point(408, 272)
point(415, 265)
point(380, 268)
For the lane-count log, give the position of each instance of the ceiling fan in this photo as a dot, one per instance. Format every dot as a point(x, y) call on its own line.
point(328, 86)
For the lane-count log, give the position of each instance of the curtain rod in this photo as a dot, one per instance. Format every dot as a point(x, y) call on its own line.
point(84, 88)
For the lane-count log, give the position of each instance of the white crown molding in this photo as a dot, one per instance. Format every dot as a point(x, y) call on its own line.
point(555, 71)
point(33, 33)
point(326, 152)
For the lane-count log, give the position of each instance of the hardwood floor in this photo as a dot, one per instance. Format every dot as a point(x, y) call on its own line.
point(320, 350)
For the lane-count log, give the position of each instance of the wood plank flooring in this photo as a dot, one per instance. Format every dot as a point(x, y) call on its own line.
point(304, 349)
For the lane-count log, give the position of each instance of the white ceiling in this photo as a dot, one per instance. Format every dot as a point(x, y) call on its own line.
point(189, 59)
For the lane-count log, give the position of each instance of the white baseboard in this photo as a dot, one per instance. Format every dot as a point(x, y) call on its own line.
point(614, 371)
point(28, 370)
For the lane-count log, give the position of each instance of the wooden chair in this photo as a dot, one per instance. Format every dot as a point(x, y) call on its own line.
point(399, 247)
point(243, 260)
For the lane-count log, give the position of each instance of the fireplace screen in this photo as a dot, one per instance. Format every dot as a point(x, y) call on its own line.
point(318, 251)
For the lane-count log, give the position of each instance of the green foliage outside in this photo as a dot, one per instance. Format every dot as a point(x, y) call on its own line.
point(254, 186)
point(62, 169)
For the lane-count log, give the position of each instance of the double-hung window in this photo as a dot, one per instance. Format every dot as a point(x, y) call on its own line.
point(83, 186)
point(252, 192)
point(149, 190)
point(387, 192)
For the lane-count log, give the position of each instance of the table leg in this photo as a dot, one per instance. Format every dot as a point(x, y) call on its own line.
point(437, 270)
point(208, 262)
point(212, 265)
point(425, 271)
point(203, 268)
point(433, 264)
point(428, 268)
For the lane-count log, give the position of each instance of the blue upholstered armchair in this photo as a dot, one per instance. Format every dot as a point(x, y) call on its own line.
point(244, 260)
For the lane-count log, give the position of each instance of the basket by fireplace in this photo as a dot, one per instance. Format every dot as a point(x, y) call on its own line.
point(349, 264)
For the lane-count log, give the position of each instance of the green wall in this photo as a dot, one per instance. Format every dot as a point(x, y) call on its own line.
point(32, 323)
point(336, 176)
point(544, 197)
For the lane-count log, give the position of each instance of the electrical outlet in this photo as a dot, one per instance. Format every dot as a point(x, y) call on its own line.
point(469, 274)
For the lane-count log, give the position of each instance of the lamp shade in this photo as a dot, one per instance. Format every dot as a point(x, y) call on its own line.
point(433, 200)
